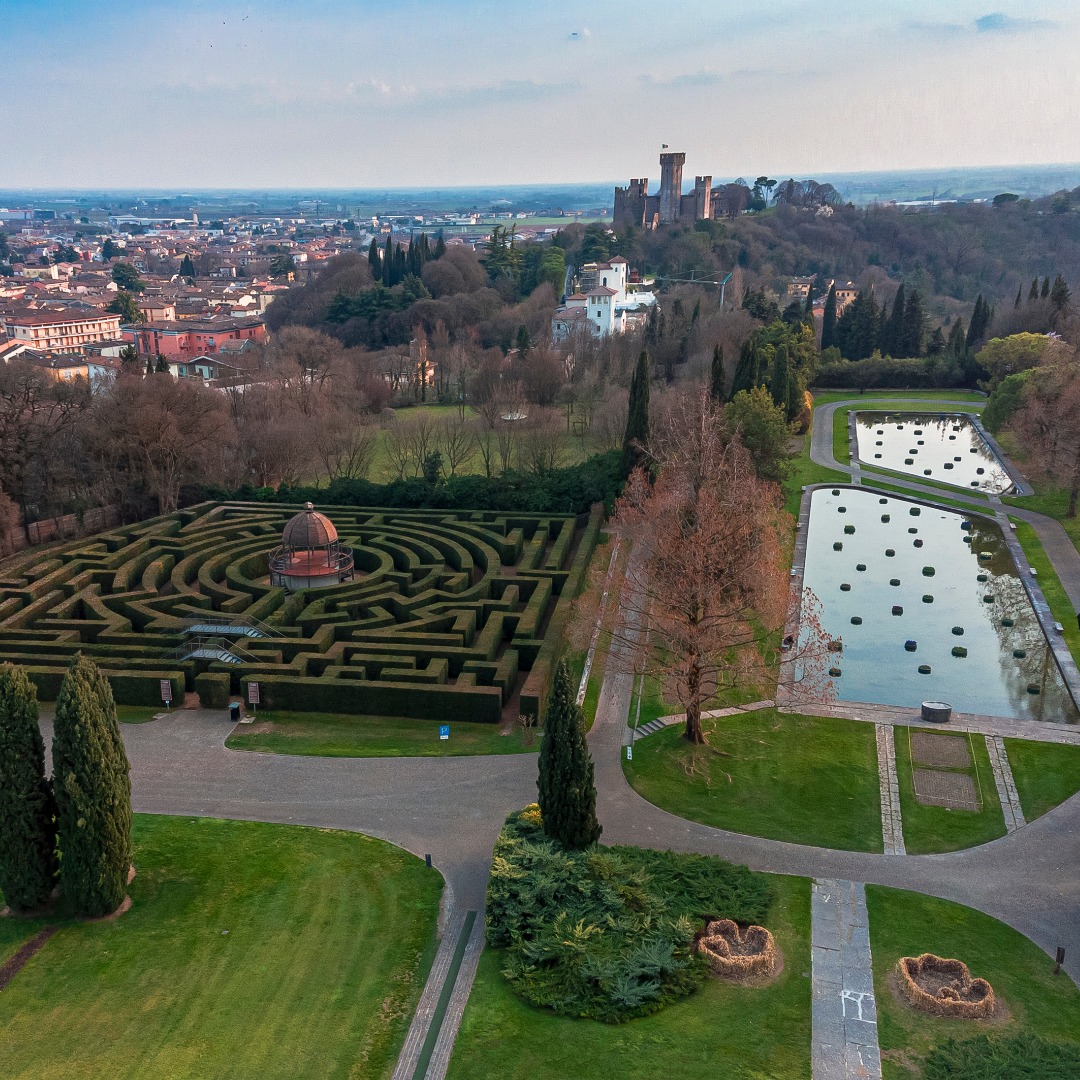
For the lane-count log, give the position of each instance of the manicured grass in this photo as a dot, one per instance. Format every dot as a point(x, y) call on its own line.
point(945, 489)
point(723, 1030)
point(870, 480)
point(314, 735)
point(250, 950)
point(1053, 504)
point(905, 397)
point(908, 924)
point(935, 828)
point(1050, 584)
point(807, 780)
point(138, 714)
point(1045, 774)
point(801, 472)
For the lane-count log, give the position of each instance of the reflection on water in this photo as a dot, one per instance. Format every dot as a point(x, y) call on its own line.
point(944, 447)
point(870, 555)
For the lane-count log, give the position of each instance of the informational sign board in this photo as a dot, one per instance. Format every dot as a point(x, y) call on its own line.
point(444, 731)
point(253, 693)
point(629, 753)
point(166, 691)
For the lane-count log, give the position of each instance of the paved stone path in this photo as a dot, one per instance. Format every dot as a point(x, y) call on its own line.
point(844, 1012)
point(892, 830)
point(1004, 782)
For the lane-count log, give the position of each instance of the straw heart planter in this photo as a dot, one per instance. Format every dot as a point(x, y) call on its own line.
point(944, 988)
point(737, 953)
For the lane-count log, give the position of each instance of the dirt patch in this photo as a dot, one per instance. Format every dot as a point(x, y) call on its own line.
point(15, 963)
point(191, 701)
point(940, 751)
point(944, 987)
point(936, 788)
point(746, 955)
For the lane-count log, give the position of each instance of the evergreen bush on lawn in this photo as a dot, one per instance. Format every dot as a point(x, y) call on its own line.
point(567, 794)
point(1020, 1057)
point(607, 933)
point(27, 811)
point(92, 784)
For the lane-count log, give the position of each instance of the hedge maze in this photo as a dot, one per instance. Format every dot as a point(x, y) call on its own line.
point(451, 615)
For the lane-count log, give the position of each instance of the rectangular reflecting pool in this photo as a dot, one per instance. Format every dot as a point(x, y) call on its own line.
point(928, 606)
point(944, 447)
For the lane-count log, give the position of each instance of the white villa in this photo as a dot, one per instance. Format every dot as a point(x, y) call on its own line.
point(605, 301)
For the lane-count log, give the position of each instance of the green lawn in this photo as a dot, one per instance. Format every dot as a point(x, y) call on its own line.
point(870, 480)
point(802, 472)
point(946, 489)
point(807, 780)
point(138, 714)
point(907, 924)
point(723, 1030)
point(905, 397)
point(935, 828)
point(1045, 774)
point(1054, 504)
point(1050, 584)
point(315, 735)
point(250, 950)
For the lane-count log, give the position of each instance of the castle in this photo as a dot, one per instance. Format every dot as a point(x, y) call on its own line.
point(635, 206)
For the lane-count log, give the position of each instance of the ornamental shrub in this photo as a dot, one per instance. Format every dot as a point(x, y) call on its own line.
point(92, 784)
point(27, 812)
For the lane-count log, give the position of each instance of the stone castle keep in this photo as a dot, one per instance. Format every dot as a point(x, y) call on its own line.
point(635, 206)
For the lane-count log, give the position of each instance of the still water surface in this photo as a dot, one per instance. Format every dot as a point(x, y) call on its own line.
point(943, 447)
point(893, 541)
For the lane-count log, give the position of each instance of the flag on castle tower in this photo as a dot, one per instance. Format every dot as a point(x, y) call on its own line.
point(663, 146)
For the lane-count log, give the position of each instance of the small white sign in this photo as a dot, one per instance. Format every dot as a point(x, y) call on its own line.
point(629, 753)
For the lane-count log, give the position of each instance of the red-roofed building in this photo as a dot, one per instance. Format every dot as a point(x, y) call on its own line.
point(189, 338)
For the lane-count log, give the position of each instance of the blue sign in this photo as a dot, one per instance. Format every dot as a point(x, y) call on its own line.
point(444, 731)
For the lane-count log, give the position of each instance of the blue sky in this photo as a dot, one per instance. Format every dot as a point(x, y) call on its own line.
point(417, 92)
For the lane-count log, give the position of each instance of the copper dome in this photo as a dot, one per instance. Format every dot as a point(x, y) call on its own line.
point(308, 529)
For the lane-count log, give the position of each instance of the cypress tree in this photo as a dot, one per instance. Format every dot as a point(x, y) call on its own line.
point(374, 259)
point(187, 267)
point(778, 377)
point(794, 403)
point(828, 320)
point(440, 246)
point(1059, 294)
point(892, 339)
point(637, 418)
point(957, 341)
point(1033, 292)
point(716, 373)
point(808, 311)
point(27, 812)
point(566, 792)
point(980, 322)
point(914, 332)
point(746, 370)
point(388, 263)
point(92, 784)
point(1019, 295)
point(1045, 292)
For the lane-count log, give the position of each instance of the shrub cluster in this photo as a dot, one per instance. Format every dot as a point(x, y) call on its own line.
point(1018, 1057)
point(885, 373)
point(607, 933)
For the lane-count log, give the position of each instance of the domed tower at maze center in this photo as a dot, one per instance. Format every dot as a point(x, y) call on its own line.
point(310, 555)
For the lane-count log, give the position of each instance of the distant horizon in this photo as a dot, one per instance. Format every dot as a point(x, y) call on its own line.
point(243, 94)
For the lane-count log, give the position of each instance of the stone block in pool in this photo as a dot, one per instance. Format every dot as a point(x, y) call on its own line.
point(958, 631)
point(885, 517)
point(837, 546)
point(894, 581)
point(856, 620)
point(890, 553)
point(916, 543)
point(924, 669)
point(914, 511)
point(845, 587)
point(849, 529)
point(910, 645)
point(897, 609)
point(959, 650)
point(928, 571)
point(860, 566)
point(928, 598)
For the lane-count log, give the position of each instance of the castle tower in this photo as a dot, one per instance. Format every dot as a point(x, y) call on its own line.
point(671, 167)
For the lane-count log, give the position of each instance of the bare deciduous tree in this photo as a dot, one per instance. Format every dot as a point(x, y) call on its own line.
point(458, 441)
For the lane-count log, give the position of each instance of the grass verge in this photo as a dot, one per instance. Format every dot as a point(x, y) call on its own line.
point(1050, 584)
point(250, 950)
point(930, 829)
point(503, 1036)
point(138, 714)
point(908, 924)
point(871, 481)
point(312, 735)
point(904, 397)
point(801, 472)
point(1045, 774)
point(803, 779)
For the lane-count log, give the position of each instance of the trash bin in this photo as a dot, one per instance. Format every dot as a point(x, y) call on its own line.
point(234, 711)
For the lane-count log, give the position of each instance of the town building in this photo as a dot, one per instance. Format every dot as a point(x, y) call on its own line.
point(189, 338)
point(61, 329)
point(604, 302)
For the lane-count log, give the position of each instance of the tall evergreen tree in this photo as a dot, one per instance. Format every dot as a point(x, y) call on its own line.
point(1044, 293)
point(857, 329)
point(187, 267)
point(374, 259)
point(980, 322)
point(892, 339)
point(794, 403)
point(778, 377)
point(92, 785)
point(27, 812)
point(636, 437)
point(828, 320)
point(746, 370)
point(1059, 294)
point(1019, 295)
point(716, 373)
point(957, 346)
point(808, 311)
point(914, 330)
point(565, 787)
point(1033, 292)
point(440, 246)
point(388, 262)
